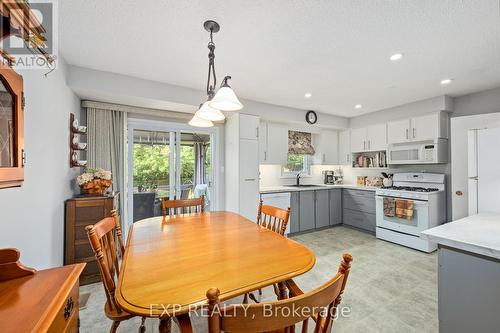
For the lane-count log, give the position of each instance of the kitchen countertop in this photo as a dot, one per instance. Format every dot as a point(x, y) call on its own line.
point(478, 234)
point(284, 188)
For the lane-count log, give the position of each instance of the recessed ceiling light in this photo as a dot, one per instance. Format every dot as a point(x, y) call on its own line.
point(396, 56)
point(358, 106)
point(446, 81)
point(307, 95)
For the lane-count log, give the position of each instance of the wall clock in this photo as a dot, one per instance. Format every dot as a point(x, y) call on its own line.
point(311, 117)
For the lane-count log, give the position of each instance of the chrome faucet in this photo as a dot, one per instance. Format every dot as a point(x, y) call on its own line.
point(298, 178)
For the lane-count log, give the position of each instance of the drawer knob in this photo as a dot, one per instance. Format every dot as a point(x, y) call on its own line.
point(68, 309)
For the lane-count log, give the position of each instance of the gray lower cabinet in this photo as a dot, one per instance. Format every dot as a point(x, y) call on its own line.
point(322, 208)
point(306, 211)
point(359, 209)
point(335, 206)
point(294, 213)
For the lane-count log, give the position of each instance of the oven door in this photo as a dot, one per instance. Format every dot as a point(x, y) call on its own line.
point(414, 226)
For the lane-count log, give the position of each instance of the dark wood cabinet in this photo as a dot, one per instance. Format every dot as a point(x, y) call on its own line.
point(80, 212)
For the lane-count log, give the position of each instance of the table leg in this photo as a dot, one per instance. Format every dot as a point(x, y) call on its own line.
point(165, 325)
point(282, 290)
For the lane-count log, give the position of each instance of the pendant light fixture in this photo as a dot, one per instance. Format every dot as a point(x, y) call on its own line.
point(196, 121)
point(225, 97)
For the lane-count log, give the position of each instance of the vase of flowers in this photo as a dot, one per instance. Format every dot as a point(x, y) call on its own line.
point(94, 181)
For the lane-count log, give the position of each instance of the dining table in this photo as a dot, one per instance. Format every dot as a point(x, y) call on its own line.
point(170, 263)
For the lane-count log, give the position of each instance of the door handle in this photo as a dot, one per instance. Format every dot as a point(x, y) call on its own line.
point(249, 179)
point(414, 132)
point(265, 156)
point(407, 135)
point(257, 132)
point(364, 145)
point(324, 157)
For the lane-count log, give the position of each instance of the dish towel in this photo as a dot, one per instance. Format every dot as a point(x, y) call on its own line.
point(389, 207)
point(404, 209)
point(202, 189)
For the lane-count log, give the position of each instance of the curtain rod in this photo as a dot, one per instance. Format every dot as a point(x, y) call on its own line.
point(136, 109)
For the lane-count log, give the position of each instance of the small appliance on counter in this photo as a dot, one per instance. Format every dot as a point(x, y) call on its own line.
point(333, 177)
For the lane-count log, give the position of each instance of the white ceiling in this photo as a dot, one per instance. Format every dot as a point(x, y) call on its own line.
point(278, 50)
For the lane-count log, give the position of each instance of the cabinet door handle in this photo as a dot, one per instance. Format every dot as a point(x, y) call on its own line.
point(257, 132)
point(265, 156)
point(249, 179)
point(364, 145)
point(369, 144)
point(324, 157)
point(414, 132)
point(407, 134)
point(347, 157)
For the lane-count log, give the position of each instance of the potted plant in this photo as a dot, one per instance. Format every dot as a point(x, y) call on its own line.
point(94, 181)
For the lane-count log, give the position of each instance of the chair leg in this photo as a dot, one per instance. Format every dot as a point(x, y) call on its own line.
point(142, 328)
point(260, 292)
point(114, 326)
point(245, 299)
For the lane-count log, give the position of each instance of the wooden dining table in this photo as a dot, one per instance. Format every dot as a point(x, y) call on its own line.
point(169, 264)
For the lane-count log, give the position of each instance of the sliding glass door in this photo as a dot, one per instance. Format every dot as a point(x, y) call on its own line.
point(167, 161)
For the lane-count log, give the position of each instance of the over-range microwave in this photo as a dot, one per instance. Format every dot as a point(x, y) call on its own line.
point(422, 152)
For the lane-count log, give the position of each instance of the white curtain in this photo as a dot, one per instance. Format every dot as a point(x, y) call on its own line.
point(105, 137)
point(200, 171)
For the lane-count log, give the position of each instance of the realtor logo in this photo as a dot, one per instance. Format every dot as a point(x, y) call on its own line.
point(29, 34)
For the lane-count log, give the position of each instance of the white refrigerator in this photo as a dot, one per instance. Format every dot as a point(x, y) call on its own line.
point(484, 170)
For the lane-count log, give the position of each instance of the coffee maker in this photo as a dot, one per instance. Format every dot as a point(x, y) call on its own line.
point(333, 177)
point(328, 177)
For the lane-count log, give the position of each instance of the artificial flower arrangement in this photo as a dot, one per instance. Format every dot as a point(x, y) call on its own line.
point(94, 181)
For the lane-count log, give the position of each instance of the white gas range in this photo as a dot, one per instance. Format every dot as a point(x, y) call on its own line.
point(427, 193)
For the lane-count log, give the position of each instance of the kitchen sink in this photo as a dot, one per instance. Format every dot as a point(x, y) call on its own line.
point(304, 185)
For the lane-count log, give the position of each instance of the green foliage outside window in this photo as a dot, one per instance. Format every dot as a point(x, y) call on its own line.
point(152, 166)
point(296, 163)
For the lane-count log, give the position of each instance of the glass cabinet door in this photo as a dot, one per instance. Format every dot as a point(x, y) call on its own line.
point(11, 128)
point(7, 129)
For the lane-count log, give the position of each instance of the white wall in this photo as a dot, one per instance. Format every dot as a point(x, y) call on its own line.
point(32, 216)
point(122, 89)
point(486, 101)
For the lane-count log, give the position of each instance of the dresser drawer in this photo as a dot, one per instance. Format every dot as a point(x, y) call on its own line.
point(66, 319)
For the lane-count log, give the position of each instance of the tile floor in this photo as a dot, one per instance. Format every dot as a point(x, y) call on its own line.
point(390, 289)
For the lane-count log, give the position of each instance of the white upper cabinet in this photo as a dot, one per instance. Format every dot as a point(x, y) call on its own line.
point(345, 148)
point(371, 138)
point(427, 127)
point(358, 139)
point(326, 146)
point(398, 131)
point(376, 137)
point(249, 127)
point(273, 143)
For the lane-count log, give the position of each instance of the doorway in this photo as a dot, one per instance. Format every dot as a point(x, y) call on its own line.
point(168, 161)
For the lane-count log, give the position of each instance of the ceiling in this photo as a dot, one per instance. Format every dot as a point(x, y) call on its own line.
point(276, 51)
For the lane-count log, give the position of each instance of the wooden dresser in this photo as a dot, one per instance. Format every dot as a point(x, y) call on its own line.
point(80, 212)
point(46, 301)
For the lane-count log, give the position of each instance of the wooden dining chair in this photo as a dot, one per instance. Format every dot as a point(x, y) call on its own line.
point(320, 305)
point(106, 240)
point(175, 208)
point(275, 219)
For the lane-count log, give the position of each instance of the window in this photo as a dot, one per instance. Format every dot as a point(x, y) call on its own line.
point(297, 163)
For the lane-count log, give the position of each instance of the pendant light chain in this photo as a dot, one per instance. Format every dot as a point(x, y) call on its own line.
point(211, 67)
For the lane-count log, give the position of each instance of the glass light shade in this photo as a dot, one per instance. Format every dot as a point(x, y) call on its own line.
point(199, 122)
point(208, 113)
point(225, 100)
